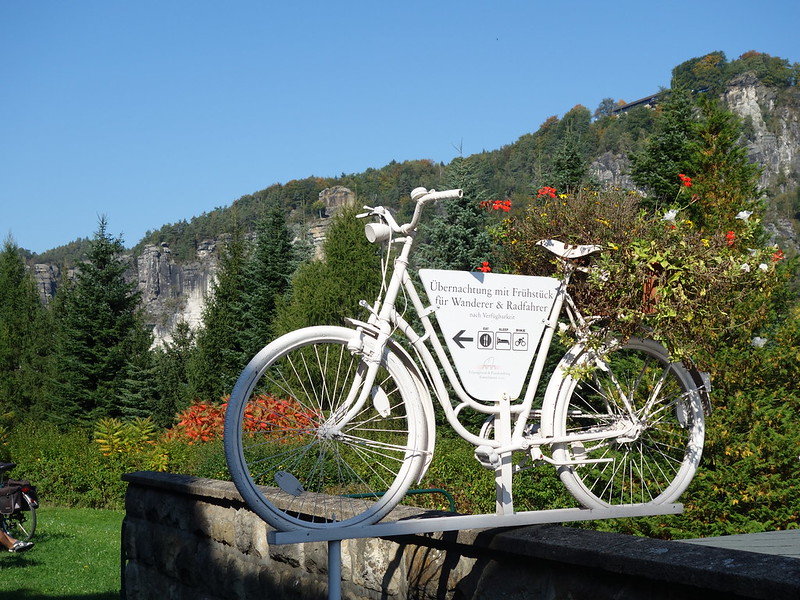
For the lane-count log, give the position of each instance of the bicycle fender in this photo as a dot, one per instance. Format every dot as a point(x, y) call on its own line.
point(703, 382)
point(419, 381)
point(557, 379)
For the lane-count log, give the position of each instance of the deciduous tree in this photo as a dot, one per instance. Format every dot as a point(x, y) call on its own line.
point(325, 291)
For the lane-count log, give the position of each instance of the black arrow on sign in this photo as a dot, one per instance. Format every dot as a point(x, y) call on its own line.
point(458, 339)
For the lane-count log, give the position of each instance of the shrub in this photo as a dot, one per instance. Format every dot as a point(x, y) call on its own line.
point(203, 421)
point(67, 466)
point(691, 289)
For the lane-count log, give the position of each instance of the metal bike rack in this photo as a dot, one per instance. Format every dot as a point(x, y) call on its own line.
point(335, 535)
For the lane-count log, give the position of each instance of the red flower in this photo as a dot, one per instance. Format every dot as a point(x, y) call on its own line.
point(730, 236)
point(777, 256)
point(501, 205)
point(547, 191)
point(685, 180)
point(484, 267)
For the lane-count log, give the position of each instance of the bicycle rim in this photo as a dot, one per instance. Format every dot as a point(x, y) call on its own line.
point(659, 443)
point(291, 458)
point(21, 525)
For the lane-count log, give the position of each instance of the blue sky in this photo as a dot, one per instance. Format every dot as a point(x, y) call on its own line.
point(153, 111)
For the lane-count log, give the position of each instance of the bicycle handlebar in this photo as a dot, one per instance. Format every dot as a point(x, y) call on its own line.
point(380, 232)
point(422, 196)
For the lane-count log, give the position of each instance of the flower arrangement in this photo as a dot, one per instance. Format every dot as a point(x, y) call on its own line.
point(688, 288)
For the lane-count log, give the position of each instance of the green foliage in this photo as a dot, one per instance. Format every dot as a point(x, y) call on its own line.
point(267, 273)
point(25, 335)
point(66, 256)
point(326, 291)
point(726, 182)
point(172, 364)
point(669, 150)
point(694, 290)
point(770, 70)
point(220, 353)
point(706, 73)
point(457, 239)
point(711, 72)
point(135, 437)
point(569, 169)
point(298, 199)
point(101, 341)
point(67, 466)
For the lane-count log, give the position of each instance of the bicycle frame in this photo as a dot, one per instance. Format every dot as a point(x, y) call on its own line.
point(365, 425)
point(510, 418)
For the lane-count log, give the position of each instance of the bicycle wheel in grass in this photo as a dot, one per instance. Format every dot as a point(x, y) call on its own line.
point(21, 525)
point(284, 430)
point(657, 449)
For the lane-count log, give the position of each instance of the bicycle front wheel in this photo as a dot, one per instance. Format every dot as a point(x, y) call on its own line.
point(654, 409)
point(285, 429)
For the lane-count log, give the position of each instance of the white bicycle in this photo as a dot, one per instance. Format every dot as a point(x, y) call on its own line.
point(329, 426)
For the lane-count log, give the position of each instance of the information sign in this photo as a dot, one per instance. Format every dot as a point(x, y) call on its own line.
point(492, 324)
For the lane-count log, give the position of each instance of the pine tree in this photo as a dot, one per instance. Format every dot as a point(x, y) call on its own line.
point(726, 181)
point(670, 151)
point(457, 239)
point(569, 169)
point(172, 362)
point(25, 336)
point(268, 272)
point(100, 336)
point(220, 356)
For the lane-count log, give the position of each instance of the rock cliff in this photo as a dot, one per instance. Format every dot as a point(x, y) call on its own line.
point(174, 292)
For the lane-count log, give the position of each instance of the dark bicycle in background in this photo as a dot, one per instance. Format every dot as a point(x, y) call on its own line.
point(18, 503)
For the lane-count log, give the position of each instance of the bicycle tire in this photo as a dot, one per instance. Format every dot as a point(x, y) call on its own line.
point(277, 428)
point(655, 460)
point(21, 525)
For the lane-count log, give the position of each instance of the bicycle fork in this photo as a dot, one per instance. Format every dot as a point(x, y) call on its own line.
point(362, 389)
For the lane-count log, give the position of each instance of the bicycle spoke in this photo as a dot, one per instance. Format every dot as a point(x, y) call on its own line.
point(657, 450)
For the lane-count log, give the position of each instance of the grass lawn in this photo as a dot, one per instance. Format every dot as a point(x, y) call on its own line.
point(76, 557)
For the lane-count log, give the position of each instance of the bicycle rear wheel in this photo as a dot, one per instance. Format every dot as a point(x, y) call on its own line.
point(657, 449)
point(21, 525)
point(284, 429)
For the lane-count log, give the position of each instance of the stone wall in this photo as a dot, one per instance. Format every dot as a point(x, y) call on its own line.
point(189, 538)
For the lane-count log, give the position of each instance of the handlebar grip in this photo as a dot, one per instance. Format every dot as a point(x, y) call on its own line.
point(423, 196)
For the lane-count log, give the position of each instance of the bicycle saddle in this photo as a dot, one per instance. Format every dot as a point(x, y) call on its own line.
point(4, 466)
point(568, 250)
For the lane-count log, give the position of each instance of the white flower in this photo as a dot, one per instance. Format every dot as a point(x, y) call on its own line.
point(763, 267)
point(670, 216)
point(744, 215)
point(758, 342)
point(745, 267)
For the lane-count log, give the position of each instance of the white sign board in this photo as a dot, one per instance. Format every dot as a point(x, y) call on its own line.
point(492, 323)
